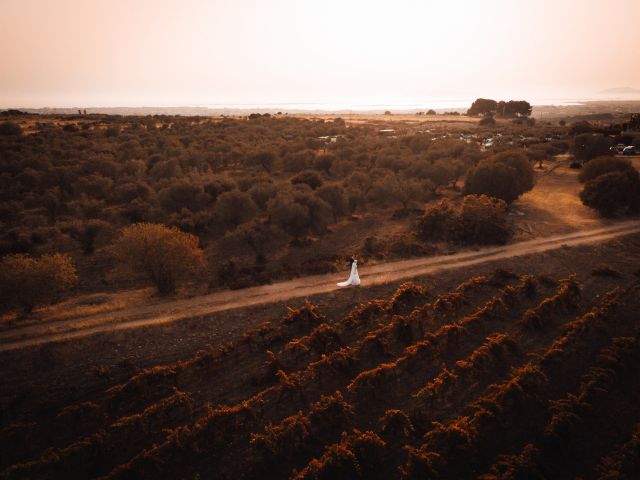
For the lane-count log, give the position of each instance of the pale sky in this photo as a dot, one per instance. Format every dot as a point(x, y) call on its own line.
point(196, 52)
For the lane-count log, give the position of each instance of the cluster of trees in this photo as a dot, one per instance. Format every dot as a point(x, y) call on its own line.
point(242, 188)
point(207, 177)
point(256, 185)
point(511, 108)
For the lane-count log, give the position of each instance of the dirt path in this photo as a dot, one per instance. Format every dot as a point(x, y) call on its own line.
point(301, 287)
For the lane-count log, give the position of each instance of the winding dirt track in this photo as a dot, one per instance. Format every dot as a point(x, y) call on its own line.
point(300, 287)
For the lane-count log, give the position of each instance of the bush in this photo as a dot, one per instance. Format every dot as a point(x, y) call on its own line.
point(27, 282)
point(234, 208)
point(86, 233)
point(506, 175)
point(579, 128)
point(261, 238)
point(601, 165)
point(479, 220)
point(613, 193)
point(487, 121)
point(289, 215)
point(308, 177)
point(588, 146)
point(324, 162)
point(10, 128)
point(261, 193)
point(439, 222)
point(165, 255)
point(265, 160)
point(182, 194)
point(483, 220)
point(337, 198)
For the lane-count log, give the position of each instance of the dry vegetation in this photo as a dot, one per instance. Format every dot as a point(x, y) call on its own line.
point(504, 376)
point(512, 373)
point(268, 197)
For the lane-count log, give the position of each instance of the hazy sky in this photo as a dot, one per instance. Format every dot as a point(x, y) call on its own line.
point(185, 52)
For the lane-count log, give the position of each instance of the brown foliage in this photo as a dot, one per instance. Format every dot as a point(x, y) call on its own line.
point(165, 255)
point(26, 281)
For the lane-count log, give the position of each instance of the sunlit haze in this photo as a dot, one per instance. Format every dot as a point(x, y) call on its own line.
point(196, 52)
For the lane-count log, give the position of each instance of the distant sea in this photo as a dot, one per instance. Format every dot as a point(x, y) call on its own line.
point(440, 105)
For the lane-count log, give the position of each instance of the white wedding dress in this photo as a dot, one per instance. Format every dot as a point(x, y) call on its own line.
point(354, 278)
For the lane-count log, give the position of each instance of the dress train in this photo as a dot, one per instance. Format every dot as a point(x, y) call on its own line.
point(354, 278)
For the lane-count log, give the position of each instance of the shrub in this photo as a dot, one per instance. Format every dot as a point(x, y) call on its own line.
point(439, 221)
point(165, 255)
point(612, 193)
point(308, 177)
point(506, 175)
point(483, 219)
point(182, 194)
point(10, 128)
point(86, 233)
point(578, 128)
point(324, 162)
point(480, 219)
point(233, 208)
point(487, 121)
point(601, 165)
point(261, 238)
point(26, 281)
point(265, 160)
point(587, 146)
point(261, 193)
point(289, 215)
point(336, 197)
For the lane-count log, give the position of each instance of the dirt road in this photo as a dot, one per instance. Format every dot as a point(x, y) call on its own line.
point(301, 287)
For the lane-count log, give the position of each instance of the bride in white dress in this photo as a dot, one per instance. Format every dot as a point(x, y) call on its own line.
point(354, 278)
